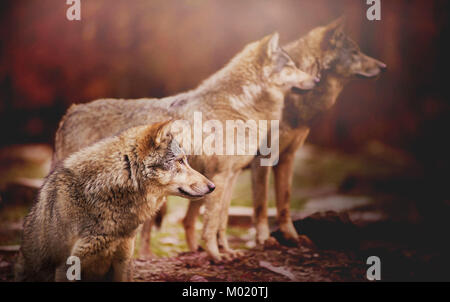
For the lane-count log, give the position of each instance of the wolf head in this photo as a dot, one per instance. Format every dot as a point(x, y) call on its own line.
point(280, 70)
point(265, 62)
point(164, 164)
point(341, 55)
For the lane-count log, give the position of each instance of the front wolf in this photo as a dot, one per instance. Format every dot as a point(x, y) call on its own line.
point(327, 53)
point(250, 87)
point(91, 205)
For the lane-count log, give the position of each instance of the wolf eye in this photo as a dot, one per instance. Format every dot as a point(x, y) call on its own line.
point(181, 161)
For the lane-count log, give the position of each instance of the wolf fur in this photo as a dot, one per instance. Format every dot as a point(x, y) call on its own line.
point(250, 87)
point(92, 203)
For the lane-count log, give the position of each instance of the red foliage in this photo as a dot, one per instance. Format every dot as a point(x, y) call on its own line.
point(130, 49)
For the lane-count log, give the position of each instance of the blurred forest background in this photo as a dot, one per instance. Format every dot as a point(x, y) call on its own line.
point(132, 49)
point(387, 136)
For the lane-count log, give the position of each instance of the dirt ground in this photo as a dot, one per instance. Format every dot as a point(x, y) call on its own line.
point(351, 207)
point(403, 256)
point(291, 264)
point(339, 253)
point(294, 263)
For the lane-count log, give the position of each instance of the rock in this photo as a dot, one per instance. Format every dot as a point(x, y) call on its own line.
point(325, 230)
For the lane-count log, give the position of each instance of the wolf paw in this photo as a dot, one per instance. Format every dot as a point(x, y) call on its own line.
point(304, 241)
point(225, 257)
point(220, 258)
point(289, 234)
point(234, 253)
point(262, 233)
point(271, 243)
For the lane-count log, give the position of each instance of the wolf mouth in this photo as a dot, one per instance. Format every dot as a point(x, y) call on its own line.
point(299, 90)
point(367, 76)
point(187, 193)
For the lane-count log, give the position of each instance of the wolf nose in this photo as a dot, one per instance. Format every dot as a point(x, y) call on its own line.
point(382, 66)
point(211, 187)
point(308, 85)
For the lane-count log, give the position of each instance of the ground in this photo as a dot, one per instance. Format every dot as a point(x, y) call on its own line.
point(295, 264)
point(351, 206)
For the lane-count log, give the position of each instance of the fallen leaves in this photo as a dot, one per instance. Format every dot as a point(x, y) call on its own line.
point(258, 264)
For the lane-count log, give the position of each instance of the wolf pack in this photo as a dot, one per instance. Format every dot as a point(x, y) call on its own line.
point(115, 160)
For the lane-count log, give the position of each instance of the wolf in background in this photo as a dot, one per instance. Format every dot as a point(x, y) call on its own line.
point(92, 204)
point(328, 53)
point(251, 86)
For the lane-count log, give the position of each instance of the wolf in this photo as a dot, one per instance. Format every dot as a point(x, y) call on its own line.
point(326, 52)
point(250, 87)
point(92, 204)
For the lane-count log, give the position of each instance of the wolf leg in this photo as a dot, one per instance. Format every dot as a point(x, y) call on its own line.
point(260, 186)
point(211, 218)
point(144, 249)
point(24, 271)
point(189, 224)
point(61, 274)
point(122, 263)
point(223, 241)
point(95, 257)
point(283, 182)
point(19, 268)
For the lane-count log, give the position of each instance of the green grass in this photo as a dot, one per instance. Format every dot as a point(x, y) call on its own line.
point(21, 170)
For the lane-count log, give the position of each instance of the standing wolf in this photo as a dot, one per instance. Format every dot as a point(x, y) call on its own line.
point(328, 53)
point(250, 87)
point(91, 205)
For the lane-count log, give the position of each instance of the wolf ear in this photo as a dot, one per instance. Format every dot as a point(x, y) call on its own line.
point(150, 137)
point(153, 135)
point(333, 33)
point(271, 44)
point(162, 132)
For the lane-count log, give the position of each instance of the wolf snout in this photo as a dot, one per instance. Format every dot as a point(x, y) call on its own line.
point(306, 85)
point(371, 68)
point(208, 188)
point(379, 67)
point(309, 84)
point(197, 189)
point(372, 72)
point(211, 187)
point(382, 65)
